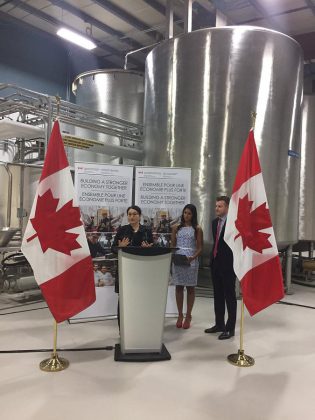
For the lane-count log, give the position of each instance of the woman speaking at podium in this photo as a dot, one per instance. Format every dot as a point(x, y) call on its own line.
point(188, 237)
point(133, 234)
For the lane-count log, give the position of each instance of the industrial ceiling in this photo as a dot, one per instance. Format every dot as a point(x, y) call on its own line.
point(120, 26)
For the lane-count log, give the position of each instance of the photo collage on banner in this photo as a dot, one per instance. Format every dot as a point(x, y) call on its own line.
point(104, 192)
point(162, 193)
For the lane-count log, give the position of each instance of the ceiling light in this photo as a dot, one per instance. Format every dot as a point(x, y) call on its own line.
point(76, 38)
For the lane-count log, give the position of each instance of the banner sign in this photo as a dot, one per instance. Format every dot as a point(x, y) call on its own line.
point(162, 193)
point(104, 192)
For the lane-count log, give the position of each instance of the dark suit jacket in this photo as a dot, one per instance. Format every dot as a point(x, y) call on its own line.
point(136, 238)
point(96, 249)
point(224, 258)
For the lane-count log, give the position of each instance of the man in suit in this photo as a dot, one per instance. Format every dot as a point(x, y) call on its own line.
point(223, 276)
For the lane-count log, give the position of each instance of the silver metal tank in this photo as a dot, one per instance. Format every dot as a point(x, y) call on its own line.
point(200, 89)
point(118, 93)
point(307, 180)
point(23, 189)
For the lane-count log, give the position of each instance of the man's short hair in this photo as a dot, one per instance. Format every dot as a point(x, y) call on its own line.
point(224, 198)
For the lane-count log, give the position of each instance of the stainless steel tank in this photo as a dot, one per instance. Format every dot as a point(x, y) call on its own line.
point(307, 180)
point(15, 207)
point(200, 89)
point(118, 93)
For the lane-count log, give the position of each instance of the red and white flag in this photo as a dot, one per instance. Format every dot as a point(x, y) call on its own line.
point(249, 233)
point(54, 241)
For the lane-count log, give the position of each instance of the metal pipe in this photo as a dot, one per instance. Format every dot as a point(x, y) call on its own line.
point(48, 125)
point(31, 165)
point(119, 151)
point(311, 250)
point(104, 130)
point(135, 51)
point(21, 209)
point(9, 194)
point(220, 19)
point(188, 16)
point(169, 33)
point(288, 270)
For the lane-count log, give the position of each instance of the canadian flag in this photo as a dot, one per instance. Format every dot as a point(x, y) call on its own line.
point(249, 234)
point(54, 241)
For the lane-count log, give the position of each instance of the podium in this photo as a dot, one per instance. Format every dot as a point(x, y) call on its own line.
point(143, 285)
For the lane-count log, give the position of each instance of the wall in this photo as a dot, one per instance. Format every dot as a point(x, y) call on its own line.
point(41, 62)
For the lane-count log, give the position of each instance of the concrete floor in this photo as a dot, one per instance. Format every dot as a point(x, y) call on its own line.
point(198, 383)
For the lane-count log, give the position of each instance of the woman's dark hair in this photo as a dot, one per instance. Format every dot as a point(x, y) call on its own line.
point(136, 208)
point(194, 219)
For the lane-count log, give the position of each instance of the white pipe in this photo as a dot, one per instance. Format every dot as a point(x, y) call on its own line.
point(9, 194)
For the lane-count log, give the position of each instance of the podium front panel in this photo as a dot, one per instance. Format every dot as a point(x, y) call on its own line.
point(143, 285)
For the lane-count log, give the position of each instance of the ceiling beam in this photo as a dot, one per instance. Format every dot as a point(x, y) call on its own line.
point(156, 6)
point(133, 44)
point(5, 17)
point(311, 5)
point(285, 12)
point(221, 7)
point(265, 14)
point(55, 22)
point(307, 42)
point(5, 2)
point(130, 19)
point(203, 17)
point(162, 9)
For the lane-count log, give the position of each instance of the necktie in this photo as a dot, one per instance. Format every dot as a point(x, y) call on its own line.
point(215, 249)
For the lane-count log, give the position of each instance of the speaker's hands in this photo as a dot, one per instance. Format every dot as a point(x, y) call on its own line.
point(146, 244)
point(124, 242)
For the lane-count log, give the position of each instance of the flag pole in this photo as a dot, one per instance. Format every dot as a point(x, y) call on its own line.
point(54, 363)
point(253, 115)
point(240, 359)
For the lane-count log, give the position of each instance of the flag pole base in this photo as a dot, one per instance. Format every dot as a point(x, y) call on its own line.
point(54, 364)
point(240, 359)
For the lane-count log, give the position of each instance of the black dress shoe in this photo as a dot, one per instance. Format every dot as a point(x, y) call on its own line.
point(226, 334)
point(214, 329)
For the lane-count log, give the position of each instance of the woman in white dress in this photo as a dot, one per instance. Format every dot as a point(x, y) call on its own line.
point(188, 237)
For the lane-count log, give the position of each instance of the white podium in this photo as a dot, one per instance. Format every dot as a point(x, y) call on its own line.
point(143, 286)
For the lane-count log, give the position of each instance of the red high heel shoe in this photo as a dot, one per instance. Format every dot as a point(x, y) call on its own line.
point(179, 322)
point(187, 322)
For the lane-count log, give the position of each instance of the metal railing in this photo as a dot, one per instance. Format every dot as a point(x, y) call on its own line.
point(37, 108)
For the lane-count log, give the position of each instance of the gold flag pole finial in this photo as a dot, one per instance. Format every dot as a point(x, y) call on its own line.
point(240, 359)
point(253, 115)
point(54, 363)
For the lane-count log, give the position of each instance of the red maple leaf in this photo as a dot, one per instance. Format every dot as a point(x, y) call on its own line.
point(51, 226)
point(249, 223)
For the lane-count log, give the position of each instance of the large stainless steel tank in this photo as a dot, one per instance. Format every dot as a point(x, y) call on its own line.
point(200, 90)
point(118, 93)
point(307, 181)
point(23, 189)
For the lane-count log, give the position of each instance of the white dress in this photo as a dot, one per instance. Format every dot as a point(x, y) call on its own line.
point(183, 275)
